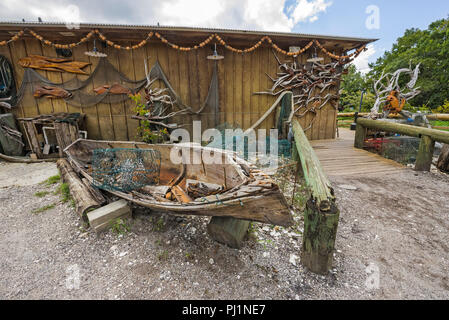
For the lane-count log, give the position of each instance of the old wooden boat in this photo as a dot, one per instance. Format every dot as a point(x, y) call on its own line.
point(187, 188)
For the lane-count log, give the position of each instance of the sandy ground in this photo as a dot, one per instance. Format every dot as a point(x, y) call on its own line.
point(392, 243)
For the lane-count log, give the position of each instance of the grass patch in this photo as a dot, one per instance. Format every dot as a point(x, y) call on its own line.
point(44, 208)
point(64, 190)
point(41, 194)
point(119, 226)
point(163, 255)
point(52, 180)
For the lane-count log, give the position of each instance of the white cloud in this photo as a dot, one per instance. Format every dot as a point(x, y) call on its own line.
point(309, 10)
point(266, 15)
point(362, 61)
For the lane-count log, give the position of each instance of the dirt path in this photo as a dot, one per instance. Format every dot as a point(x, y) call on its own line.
point(399, 223)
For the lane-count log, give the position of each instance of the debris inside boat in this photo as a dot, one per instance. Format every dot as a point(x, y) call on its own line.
point(234, 188)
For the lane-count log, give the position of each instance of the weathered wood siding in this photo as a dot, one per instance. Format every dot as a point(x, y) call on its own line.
point(189, 73)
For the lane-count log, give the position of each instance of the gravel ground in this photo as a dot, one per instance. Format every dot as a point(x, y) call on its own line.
point(396, 225)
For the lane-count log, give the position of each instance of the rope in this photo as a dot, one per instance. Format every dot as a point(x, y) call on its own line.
point(181, 48)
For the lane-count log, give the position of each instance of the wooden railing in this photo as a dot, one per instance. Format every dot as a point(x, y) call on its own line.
point(432, 116)
point(321, 214)
point(426, 146)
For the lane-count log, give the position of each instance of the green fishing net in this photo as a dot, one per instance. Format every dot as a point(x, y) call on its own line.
point(125, 170)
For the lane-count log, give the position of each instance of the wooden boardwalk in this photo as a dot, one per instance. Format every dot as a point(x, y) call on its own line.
point(339, 157)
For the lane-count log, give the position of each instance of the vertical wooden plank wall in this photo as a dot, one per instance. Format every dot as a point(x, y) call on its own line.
point(239, 77)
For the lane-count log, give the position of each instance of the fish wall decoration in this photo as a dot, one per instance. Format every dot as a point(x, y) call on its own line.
point(53, 64)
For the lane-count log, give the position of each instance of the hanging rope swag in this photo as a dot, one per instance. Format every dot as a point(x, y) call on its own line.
point(180, 48)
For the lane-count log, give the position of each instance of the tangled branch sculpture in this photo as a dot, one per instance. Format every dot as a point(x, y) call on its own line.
point(391, 95)
point(310, 84)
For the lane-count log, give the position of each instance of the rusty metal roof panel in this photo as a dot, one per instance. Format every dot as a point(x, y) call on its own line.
point(185, 29)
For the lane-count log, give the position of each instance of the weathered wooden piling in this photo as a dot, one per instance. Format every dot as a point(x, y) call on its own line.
point(321, 215)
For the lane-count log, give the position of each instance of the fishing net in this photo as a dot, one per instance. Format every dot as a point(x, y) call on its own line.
point(124, 169)
point(398, 148)
point(105, 74)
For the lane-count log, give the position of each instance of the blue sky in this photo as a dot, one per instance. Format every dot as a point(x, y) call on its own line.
point(347, 18)
point(328, 17)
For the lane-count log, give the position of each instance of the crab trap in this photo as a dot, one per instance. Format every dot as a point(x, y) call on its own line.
point(125, 170)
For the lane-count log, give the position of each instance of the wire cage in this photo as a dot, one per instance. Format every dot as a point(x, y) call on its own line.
point(125, 169)
point(398, 148)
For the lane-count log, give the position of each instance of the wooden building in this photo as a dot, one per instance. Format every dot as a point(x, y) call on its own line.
point(240, 75)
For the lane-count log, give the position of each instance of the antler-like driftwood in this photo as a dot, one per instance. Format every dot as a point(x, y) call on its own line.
point(382, 90)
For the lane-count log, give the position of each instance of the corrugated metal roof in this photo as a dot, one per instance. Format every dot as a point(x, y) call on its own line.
point(191, 29)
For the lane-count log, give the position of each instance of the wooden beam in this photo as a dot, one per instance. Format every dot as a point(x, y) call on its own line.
point(321, 215)
point(433, 116)
point(84, 200)
point(412, 131)
point(229, 231)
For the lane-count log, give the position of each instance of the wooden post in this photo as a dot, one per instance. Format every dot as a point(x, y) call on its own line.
point(84, 200)
point(425, 154)
point(360, 136)
point(321, 215)
point(229, 231)
point(320, 231)
point(443, 160)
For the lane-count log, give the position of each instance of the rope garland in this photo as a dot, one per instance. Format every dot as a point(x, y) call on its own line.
point(181, 48)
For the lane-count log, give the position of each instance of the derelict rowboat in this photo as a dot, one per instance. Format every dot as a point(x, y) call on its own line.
point(242, 191)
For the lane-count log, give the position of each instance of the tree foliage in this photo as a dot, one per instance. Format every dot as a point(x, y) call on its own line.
point(428, 47)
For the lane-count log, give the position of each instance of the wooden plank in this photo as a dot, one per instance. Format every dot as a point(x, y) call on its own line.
point(173, 76)
point(104, 109)
point(125, 65)
point(264, 84)
point(44, 105)
point(204, 77)
point(138, 58)
point(238, 96)
point(59, 105)
point(255, 82)
point(229, 88)
point(246, 91)
point(92, 120)
point(28, 105)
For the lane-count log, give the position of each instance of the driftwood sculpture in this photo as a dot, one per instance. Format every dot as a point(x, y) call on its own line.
point(53, 64)
point(391, 95)
point(51, 92)
point(310, 84)
point(158, 103)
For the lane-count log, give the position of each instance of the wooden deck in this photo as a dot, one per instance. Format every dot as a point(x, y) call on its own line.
point(339, 157)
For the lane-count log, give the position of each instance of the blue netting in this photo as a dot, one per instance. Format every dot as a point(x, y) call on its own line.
point(125, 169)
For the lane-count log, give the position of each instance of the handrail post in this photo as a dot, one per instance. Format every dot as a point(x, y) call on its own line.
point(360, 136)
point(321, 215)
point(425, 154)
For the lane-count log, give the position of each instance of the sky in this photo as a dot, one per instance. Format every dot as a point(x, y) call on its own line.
point(385, 20)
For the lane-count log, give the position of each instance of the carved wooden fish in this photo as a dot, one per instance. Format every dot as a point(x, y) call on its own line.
point(116, 88)
point(53, 64)
point(51, 92)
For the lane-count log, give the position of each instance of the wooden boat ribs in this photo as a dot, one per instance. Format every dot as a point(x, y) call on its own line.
point(234, 188)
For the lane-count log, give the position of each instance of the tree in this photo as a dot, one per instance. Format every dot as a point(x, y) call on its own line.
point(351, 89)
point(428, 47)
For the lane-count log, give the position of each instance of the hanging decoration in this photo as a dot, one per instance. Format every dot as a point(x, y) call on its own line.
point(117, 87)
point(53, 64)
point(310, 84)
point(181, 48)
point(51, 92)
point(95, 53)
